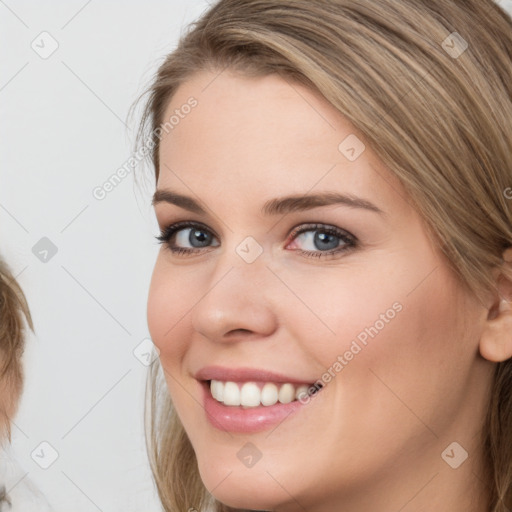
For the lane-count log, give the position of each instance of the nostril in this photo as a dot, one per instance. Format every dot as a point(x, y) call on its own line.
point(236, 332)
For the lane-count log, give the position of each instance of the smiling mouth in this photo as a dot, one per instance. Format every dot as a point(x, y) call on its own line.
point(258, 393)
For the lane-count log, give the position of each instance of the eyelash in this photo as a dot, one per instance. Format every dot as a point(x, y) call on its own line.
point(348, 239)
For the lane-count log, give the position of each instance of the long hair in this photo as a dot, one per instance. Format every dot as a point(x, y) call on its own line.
point(428, 83)
point(14, 312)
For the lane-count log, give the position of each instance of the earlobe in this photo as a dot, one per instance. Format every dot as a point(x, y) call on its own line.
point(496, 340)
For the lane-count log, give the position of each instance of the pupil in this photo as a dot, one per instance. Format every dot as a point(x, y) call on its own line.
point(198, 236)
point(326, 240)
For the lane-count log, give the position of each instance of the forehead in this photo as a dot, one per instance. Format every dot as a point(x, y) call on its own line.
point(267, 133)
point(249, 113)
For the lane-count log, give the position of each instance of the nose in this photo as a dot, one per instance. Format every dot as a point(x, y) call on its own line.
point(237, 302)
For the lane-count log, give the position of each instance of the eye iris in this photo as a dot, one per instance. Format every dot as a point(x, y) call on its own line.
point(199, 236)
point(326, 241)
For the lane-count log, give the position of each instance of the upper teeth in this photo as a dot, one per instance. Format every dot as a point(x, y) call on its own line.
point(250, 395)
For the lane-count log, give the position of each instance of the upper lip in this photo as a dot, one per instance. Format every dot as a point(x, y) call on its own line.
point(245, 374)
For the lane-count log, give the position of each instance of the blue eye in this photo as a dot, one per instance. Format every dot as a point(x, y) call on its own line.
point(183, 233)
point(321, 240)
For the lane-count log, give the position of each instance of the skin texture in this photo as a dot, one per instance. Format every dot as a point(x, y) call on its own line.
point(372, 439)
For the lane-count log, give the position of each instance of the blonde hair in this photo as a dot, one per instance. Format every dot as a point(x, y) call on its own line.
point(13, 310)
point(440, 121)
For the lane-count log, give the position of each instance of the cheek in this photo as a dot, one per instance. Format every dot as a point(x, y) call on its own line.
point(383, 335)
point(157, 310)
point(412, 366)
point(333, 311)
point(169, 299)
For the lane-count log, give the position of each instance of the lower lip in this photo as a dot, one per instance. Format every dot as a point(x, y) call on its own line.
point(252, 419)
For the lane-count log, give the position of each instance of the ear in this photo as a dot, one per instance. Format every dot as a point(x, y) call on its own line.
point(496, 338)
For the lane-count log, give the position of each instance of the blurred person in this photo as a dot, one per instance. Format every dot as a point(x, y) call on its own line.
point(17, 492)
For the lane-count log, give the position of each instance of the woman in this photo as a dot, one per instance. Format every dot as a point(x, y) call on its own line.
point(331, 303)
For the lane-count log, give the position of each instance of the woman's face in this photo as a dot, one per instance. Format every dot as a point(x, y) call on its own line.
point(350, 293)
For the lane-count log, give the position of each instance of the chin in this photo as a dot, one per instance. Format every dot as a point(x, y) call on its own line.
point(251, 488)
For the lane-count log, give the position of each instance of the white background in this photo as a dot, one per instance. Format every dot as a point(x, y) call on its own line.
point(63, 133)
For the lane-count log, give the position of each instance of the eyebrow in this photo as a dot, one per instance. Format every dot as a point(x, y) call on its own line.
point(280, 205)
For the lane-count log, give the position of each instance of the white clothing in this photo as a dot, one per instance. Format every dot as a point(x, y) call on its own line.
point(17, 491)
